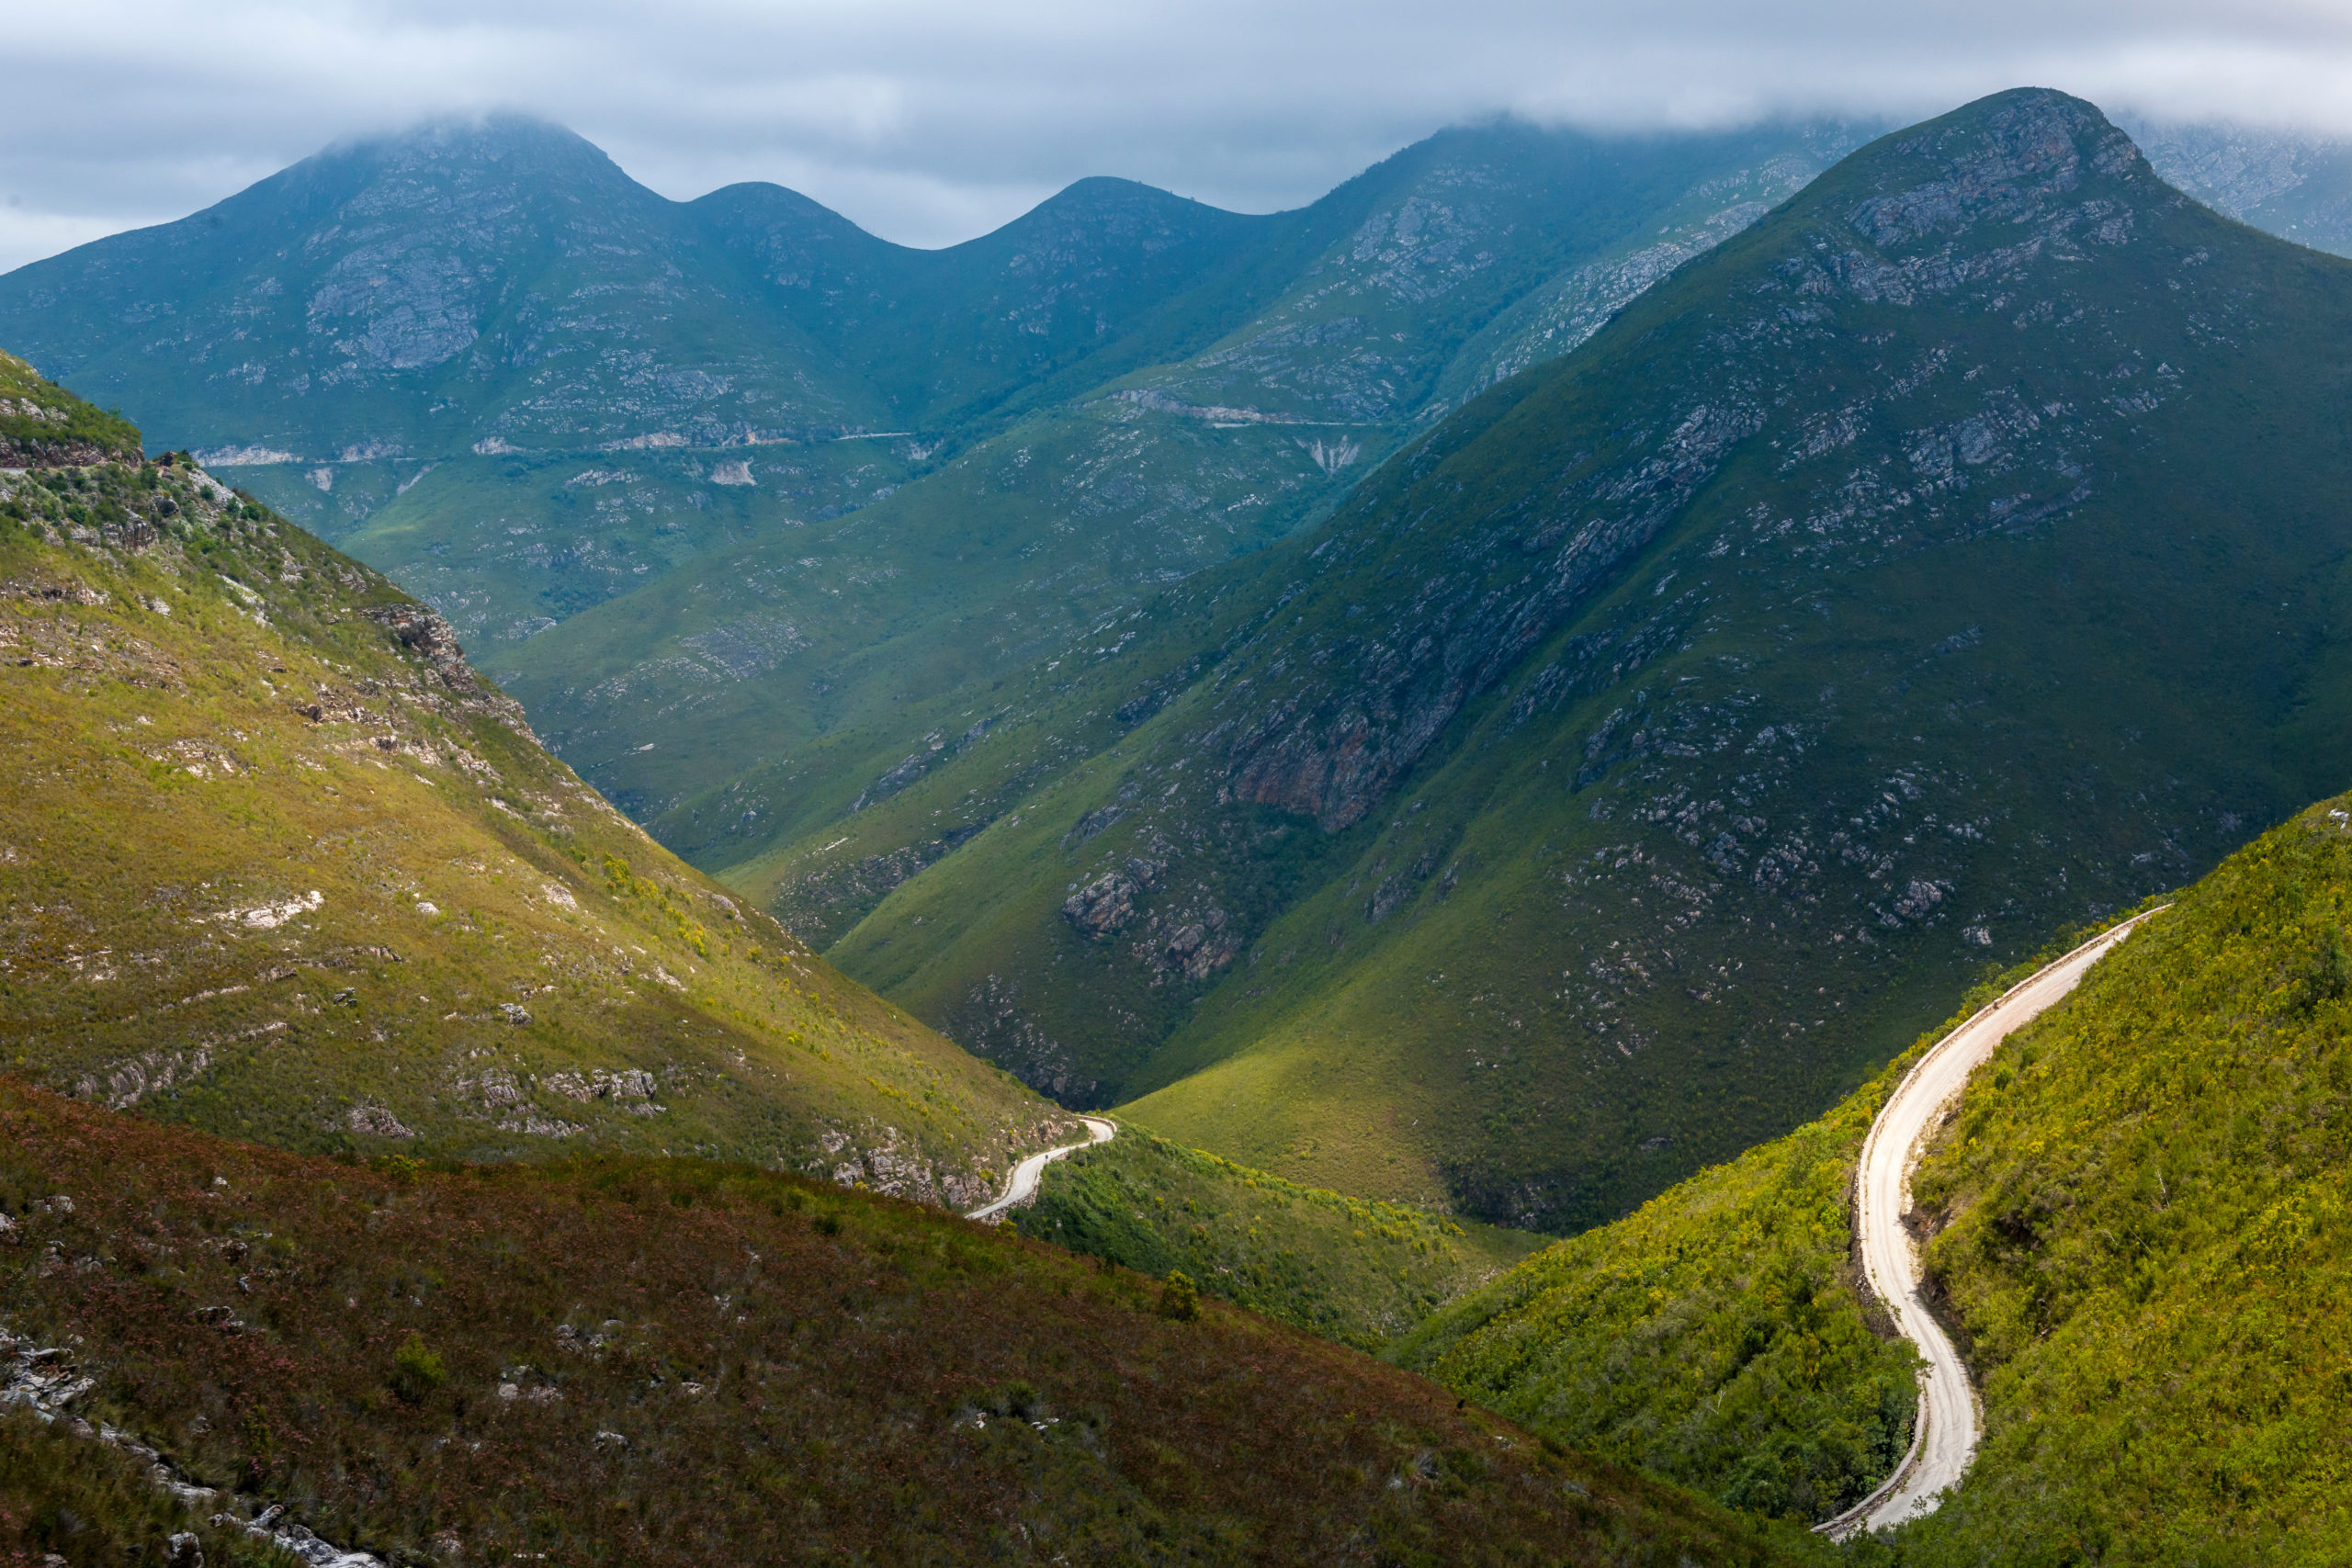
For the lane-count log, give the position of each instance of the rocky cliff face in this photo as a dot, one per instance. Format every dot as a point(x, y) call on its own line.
point(2042, 181)
point(1650, 748)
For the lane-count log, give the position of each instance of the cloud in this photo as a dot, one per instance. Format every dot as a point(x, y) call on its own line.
point(928, 121)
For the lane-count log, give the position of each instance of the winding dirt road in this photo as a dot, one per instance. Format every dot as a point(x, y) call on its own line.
point(1023, 1185)
point(1945, 1435)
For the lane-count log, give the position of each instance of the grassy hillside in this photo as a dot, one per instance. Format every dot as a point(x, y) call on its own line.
point(1721, 1335)
point(670, 1361)
point(2138, 1229)
point(1355, 1271)
point(1630, 766)
point(66, 1499)
point(41, 425)
point(1718, 1337)
point(274, 861)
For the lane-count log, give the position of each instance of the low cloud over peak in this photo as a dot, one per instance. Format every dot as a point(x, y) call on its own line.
point(929, 123)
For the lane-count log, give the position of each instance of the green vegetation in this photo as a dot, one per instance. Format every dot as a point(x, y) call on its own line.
point(507, 547)
point(1180, 1299)
point(1718, 1337)
point(656, 1361)
point(416, 1371)
point(65, 1498)
point(1629, 765)
point(1354, 1270)
point(2139, 1232)
point(2141, 1229)
point(274, 861)
point(41, 422)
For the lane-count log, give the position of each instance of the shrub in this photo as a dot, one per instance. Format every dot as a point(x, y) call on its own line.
point(416, 1371)
point(1180, 1299)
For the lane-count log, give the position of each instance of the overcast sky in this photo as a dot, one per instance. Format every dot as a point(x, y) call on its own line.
point(928, 121)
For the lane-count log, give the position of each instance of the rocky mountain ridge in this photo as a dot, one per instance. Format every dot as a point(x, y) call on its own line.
point(1646, 746)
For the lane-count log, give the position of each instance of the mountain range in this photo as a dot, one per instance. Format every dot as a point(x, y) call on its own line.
point(1498, 689)
point(1636, 758)
point(1523, 694)
point(264, 823)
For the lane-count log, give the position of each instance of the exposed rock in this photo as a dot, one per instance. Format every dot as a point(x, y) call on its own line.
point(630, 1089)
point(1102, 907)
point(375, 1122)
point(1093, 822)
point(42, 452)
point(424, 629)
point(1193, 942)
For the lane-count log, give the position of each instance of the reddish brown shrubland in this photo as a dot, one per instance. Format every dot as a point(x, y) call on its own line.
point(705, 1364)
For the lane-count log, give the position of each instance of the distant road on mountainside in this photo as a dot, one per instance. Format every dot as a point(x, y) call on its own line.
point(1026, 1174)
point(1948, 1426)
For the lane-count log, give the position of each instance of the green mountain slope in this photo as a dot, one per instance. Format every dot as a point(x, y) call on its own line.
point(275, 861)
point(1401, 292)
point(1355, 1271)
point(2137, 1224)
point(41, 425)
point(507, 545)
point(1949, 557)
point(671, 1361)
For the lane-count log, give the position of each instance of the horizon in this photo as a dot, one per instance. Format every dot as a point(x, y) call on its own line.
point(484, 120)
point(928, 127)
point(486, 117)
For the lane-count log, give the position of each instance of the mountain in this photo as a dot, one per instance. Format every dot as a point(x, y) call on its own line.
point(1634, 760)
point(522, 385)
point(2135, 1217)
point(467, 285)
point(903, 616)
point(675, 1361)
point(277, 862)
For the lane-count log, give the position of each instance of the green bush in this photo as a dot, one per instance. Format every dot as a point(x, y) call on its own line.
point(1180, 1299)
point(416, 1371)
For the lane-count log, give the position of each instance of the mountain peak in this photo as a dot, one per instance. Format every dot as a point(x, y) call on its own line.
point(2020, 157)
point(507, 146)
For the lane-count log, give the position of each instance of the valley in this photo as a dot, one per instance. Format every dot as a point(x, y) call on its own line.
point(1624, 765)
point(1442, 876)
point(2129, 1225)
